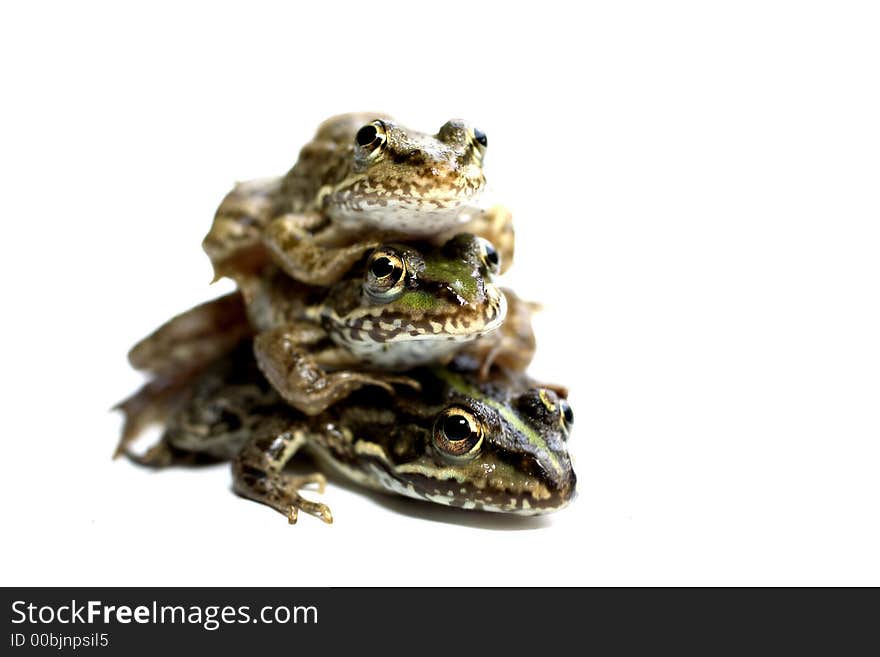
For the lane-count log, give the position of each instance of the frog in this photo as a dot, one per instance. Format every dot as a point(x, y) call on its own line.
point(181, 349)
point(497, 445)
point(403, 305)
point(362, 180)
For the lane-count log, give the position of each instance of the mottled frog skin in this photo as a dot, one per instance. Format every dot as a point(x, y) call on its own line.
point(362, 180)
point(494, 445)
point(185, 345)
point(404, 305)
point(374, 173)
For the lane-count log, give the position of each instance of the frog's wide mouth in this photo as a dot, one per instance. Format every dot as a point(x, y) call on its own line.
point(451, 486)
point(458, 324)
point(452, 187)
point(415, 215)
point(534, 500)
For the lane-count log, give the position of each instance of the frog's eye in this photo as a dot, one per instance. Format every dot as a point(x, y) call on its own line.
point(385, 278)
point(371, 136)
point(566, 414)
point(489, 255)
point(480, 137)
point(458, 433)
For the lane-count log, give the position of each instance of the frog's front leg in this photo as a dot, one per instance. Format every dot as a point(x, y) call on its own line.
point(293, 362)
point(295, 248)
point(258, 474)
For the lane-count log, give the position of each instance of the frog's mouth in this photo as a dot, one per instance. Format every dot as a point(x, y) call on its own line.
point(462, 325)
point(413, 214)
point(533, 499)
point(451, 486)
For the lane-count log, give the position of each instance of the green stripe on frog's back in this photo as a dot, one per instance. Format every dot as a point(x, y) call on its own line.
point(418, 300)
point(458, 274)
point(458, 384)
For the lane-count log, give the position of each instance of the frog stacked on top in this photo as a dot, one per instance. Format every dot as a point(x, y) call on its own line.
point(366, 328)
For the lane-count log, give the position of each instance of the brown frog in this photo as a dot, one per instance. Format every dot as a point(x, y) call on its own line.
point(494, 445)
point(364, 179)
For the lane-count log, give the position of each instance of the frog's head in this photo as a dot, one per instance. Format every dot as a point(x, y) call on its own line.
point(406, 181)
point(494, 446)
point(437, 296)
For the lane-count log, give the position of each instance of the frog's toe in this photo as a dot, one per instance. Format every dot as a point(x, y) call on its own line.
point(296, 502)
point(316, 509)
point(258, 475)
point(388, 381)
point(353, 380)
point(404, 381)
point(281, 492)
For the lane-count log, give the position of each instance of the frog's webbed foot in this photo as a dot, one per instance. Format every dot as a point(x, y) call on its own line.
point(300, 379)
point(295, 249)
point(257, 475)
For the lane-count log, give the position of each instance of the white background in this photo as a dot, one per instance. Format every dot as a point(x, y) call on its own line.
point(695, 187)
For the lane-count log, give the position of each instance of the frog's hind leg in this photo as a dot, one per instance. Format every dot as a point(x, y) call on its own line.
point(175, 354)
point(295, 249)
point(258, 473)
point(193, 339)
point(152, 404)
point(295, 368)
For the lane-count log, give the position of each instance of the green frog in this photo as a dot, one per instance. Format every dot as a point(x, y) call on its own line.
point(363, 179)
point(401, 306)
point(493, 445)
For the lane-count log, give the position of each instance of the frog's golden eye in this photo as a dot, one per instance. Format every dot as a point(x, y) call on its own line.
point(557, 405)
point(480, 137)
point(386, 275)
point(458, 433)
point(489, 255)
point(566, 414)
point(371, 136)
